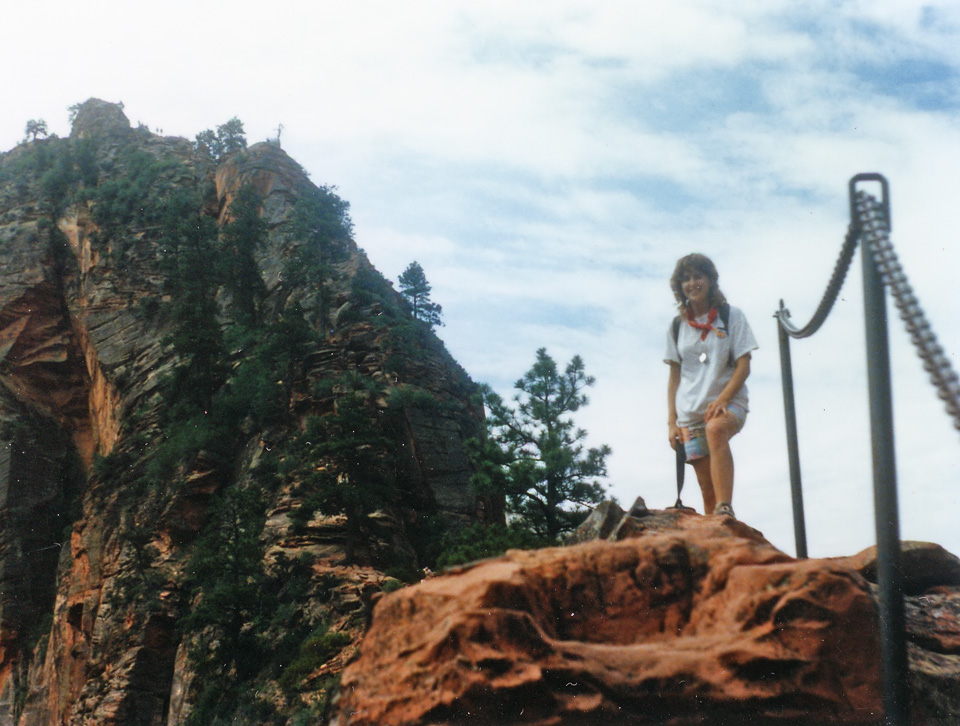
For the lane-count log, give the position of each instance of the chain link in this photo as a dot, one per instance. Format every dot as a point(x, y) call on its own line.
point(876, 242)
point(830, 294)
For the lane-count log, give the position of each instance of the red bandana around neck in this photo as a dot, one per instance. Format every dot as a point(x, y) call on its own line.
point(705, 327)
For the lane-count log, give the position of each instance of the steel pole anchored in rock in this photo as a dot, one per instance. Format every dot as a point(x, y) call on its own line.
point(870, 226)
point(787, 330)
point(872, 223)
point(793, 444)
point(881, 270)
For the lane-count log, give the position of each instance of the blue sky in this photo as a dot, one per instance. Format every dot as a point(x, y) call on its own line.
point(547, 163)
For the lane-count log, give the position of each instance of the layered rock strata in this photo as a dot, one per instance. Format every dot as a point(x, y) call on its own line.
point(94, 555)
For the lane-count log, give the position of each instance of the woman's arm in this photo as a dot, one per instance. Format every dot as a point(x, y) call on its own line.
point(740, 373)
point(673, 384)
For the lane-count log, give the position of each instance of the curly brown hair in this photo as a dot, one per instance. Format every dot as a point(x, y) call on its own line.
point(701, 264)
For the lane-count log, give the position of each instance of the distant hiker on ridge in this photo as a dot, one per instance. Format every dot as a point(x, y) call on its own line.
point(708, 350)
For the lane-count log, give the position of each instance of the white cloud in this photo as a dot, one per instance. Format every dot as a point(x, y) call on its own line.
point(548, 162)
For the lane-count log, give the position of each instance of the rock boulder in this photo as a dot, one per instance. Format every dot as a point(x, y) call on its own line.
point(96, 118)
point(684, 620)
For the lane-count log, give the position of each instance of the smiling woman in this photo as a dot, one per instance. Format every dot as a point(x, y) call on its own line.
point(709, 360)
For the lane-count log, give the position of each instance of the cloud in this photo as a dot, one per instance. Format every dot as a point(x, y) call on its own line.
point(547, 163)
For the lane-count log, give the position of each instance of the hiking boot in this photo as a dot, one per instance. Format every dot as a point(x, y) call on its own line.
point(639, 509)
point(724, 509)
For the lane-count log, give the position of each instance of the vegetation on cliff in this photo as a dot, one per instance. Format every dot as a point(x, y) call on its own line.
point(264, 433)
point(272, 435)
point(416, 291)
point(534, 452)
point(227, 139)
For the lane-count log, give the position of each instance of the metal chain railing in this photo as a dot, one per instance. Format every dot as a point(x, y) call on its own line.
point(787, 330)
point(870, 226)
point(876, 240)
point(830, 294)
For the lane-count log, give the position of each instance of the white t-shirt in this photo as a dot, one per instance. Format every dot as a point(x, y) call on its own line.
point(706, 366)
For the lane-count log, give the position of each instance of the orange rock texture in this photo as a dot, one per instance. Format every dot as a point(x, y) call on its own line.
point(98, 538)
point(685, 620)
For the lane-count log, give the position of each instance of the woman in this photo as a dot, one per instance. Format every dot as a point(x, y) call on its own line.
point(708, 350)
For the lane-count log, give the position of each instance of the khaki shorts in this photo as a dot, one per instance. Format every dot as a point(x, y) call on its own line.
point(695, 437)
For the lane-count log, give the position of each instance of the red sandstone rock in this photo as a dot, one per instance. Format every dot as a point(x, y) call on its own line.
point(690, 620)
point(88, 612)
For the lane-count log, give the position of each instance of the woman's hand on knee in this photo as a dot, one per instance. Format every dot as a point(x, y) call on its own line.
point(714, 409)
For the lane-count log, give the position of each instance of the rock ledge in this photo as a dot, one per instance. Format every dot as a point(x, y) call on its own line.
point(681, 619)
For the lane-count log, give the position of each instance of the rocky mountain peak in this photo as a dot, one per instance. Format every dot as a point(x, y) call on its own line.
point(98, 118)
point(268, 168)
point(221, 432)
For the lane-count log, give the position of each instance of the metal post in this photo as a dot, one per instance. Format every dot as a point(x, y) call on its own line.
point(889, 570)
point(793, 446)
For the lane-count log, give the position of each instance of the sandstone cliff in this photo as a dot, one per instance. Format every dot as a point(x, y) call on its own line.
point(142, 541)
point(198, 534)
point(675, 619)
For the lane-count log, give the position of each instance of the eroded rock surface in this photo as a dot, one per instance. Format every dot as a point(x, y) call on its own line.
point(684, 620)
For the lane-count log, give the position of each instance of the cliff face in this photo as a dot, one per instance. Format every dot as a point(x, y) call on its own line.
point(676, 619)
point(117, 515)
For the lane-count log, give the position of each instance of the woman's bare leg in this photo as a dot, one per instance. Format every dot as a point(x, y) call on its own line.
point(705, 480)
point(720, 430)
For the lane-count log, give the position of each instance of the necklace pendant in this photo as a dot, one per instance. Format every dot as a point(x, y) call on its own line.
point(703, 357)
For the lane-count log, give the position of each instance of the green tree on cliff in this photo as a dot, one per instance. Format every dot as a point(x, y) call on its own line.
point(232, 136)
point(35, 129)
point(230, 594)
point(228, 137)
point(536, 455)
point(321, 219)
point(240, 238)
point(355, 475)
point(189, 261)
point(416, 291)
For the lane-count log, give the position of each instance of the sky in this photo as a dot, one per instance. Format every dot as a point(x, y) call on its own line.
point(547, 163)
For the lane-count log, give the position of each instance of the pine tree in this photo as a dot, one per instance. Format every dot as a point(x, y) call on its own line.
point(188, 259)
point(321, 220)
point(239, 240)
point(232, 136)
point(356, 476)
point(35, 129)
point(540, 462)
point(231, 592)
point(416, 291)
point(228, 137)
